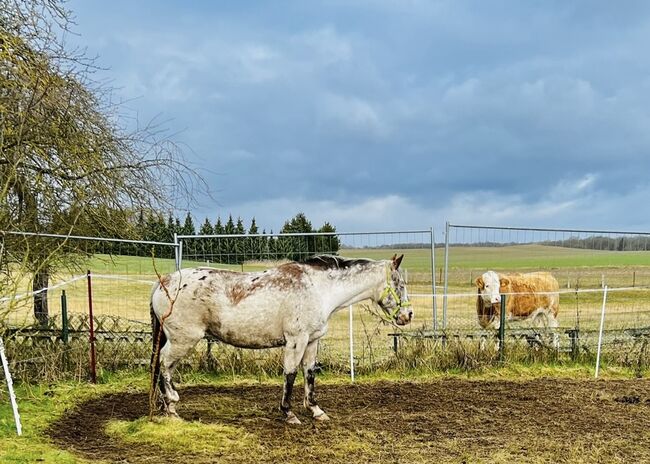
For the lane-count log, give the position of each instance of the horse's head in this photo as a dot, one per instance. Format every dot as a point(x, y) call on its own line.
point(394, 300)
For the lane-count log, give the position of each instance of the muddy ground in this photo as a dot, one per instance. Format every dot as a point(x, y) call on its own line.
point(455, 420)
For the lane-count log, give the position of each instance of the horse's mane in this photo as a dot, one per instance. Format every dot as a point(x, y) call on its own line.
point(334, 262)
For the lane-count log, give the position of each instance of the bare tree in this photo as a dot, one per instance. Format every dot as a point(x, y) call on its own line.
point(67, 163)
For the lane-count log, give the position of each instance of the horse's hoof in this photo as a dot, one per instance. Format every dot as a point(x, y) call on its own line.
point(322, 417)
point(292, 419)
point(170, 411)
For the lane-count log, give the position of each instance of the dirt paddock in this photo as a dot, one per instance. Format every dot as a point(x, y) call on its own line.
point(455, 420)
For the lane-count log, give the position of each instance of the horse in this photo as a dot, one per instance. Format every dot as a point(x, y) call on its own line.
point(286, 306)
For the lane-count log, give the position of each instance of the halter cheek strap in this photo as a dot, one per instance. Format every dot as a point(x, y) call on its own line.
point(389, 290)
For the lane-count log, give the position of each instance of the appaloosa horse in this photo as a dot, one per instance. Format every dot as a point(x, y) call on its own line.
point(288, 306)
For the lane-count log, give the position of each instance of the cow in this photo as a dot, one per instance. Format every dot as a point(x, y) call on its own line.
point(533, 296)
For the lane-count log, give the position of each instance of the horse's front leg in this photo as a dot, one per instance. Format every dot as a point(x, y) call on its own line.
point(293, 353)
point(309, 367)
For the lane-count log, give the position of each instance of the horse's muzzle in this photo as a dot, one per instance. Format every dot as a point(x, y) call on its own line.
point(404, 317)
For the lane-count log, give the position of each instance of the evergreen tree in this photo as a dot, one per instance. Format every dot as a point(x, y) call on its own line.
point(140, 233)
point(229, 228)
point(242, 246)
point(218, 227)
point(229, 243)
point(205, 244)
point(190, 247)
point(256, 243)
point(155, 230)
point(171, 228)
point(329, 244)
point(217, 244)
point(188, 225)
point(273, 248)
point(297, 248)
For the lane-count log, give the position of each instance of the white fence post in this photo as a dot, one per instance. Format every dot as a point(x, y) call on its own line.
point(10, 387)
point(351, 348)
point(600, 331)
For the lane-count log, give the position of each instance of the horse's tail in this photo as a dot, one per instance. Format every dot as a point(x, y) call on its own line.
point(159, 339)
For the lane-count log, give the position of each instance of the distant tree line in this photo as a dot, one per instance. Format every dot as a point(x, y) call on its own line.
point(623, 243)
point(155, 227)
point(597, 242)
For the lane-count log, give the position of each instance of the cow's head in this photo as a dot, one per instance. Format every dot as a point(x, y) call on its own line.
point(488, 302)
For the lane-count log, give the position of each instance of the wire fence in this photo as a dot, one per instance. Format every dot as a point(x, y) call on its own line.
point(250, 253)
point(122, 274)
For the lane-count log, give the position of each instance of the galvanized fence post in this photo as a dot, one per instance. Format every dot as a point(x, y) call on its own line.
point(444, 299)
point(177, 258)
point(433, 283)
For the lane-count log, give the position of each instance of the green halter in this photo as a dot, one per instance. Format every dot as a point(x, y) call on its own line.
point(390, 290)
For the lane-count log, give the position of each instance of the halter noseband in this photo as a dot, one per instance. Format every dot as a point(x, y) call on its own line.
point(399, 304)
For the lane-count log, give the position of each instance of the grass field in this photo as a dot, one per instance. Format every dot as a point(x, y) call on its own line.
point(128, 299)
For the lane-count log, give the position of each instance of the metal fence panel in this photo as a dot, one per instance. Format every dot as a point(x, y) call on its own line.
point(582, 261)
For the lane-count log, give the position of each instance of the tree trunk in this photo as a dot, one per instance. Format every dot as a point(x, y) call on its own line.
point(41, 313)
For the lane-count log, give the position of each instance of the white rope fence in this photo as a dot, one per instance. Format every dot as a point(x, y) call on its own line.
point(10, 387)
point(561, 292)
point(126, 278)
point(25, 295)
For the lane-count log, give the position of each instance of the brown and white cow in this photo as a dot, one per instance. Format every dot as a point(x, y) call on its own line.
point(533, 296)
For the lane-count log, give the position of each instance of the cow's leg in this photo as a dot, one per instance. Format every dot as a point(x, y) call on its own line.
point(294, 351)
point(177, 346)
point(308, 368)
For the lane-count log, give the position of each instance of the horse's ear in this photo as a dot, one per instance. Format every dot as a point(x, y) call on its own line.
point(479, 283)
point(397, 261)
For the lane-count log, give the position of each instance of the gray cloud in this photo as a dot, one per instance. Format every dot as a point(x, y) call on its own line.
point(372, 114)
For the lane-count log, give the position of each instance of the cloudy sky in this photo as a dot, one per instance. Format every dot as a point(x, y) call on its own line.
point(395, 114)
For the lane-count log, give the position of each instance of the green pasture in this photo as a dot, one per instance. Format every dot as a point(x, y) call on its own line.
point(122, 284)
point(505, 258)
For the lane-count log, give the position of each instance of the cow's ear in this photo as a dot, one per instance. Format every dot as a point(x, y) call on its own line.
point(397, 261)
point(479, 283)
point(504, 281)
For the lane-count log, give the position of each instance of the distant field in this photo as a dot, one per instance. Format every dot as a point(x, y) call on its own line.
point(419, 260)
point(509, 257)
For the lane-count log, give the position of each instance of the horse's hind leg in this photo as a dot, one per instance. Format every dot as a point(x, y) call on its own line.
point(293, 353)
point(174, 350)
point(308, 369)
